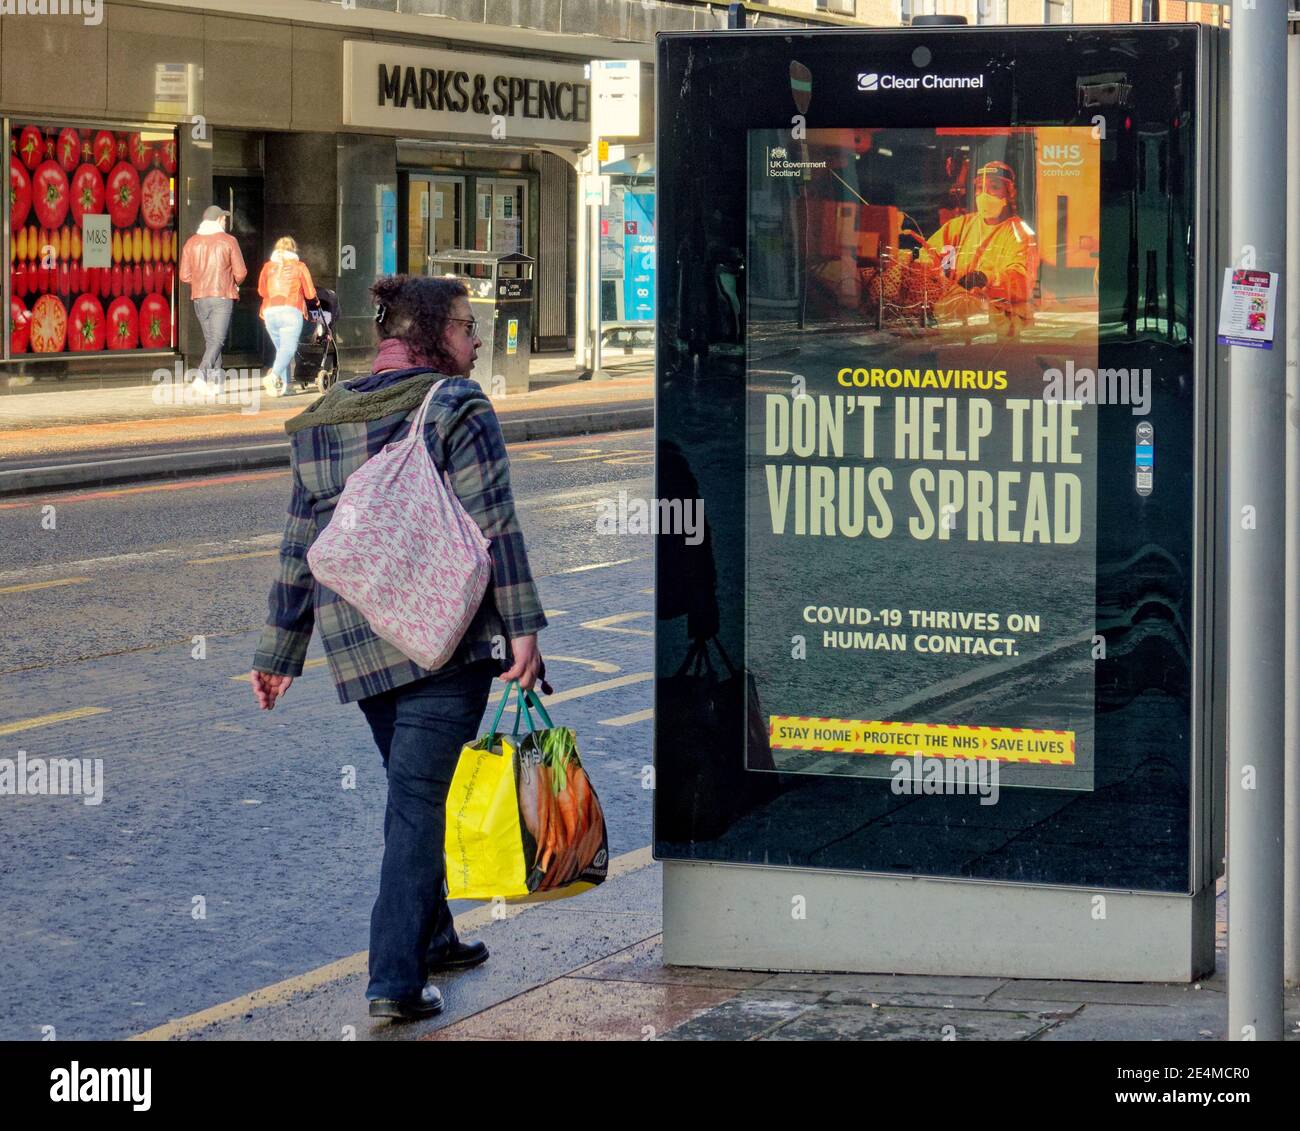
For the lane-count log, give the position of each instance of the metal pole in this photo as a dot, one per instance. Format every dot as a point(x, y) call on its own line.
point(597, 315)
point(581, 353)
point(593, 246)
point(1257, 538)
point(1291, 968)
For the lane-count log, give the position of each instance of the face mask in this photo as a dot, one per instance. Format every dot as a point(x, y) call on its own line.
point(989, 206)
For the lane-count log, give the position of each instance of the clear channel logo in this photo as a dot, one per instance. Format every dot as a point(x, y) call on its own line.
point(870, 81)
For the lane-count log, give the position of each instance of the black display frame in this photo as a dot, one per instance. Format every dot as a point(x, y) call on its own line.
point(1147, 826)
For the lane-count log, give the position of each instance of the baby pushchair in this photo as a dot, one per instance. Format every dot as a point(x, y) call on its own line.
point(317, 359)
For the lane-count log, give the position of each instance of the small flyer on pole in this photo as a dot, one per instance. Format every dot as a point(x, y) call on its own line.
point(1246, 312)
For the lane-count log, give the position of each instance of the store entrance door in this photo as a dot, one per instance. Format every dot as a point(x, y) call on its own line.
point(434, 218)
point(499, 215)
point(241, 196)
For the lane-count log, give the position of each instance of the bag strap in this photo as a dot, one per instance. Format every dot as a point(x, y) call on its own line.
point(417, 424)
point(537, 706)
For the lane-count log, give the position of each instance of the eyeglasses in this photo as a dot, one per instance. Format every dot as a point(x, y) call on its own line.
point(471, 325)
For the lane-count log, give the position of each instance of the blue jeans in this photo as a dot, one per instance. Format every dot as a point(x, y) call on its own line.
point(284, 324)
point(419, 728)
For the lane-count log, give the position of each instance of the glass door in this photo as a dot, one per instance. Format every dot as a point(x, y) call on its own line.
point(499, 221)
point(434, 218)
point(446, 196)
point(241, 196)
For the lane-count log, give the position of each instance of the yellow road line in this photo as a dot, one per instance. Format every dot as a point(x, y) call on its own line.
point(281, 992)
point(595, 665)
point(320, 662)
point(649, 592)
point(233, 557)
point(612, 623)
point(43, 584)
point(590, 504)
point(50, 720)
point(628, 720)
point(585, 689)
point(548, 613)
point(604, 455)
point(600, 565)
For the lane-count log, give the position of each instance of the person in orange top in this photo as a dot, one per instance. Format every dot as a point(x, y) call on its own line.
point(286, 287)
point(990, 253)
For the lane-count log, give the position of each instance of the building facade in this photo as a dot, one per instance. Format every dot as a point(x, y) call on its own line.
point(376, 134)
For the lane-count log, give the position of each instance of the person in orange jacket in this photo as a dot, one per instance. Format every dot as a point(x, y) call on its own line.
point(286, 287)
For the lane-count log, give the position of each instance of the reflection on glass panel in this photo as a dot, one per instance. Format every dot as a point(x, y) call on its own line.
point(445, 207)
point(483, 218)
point(417, 226)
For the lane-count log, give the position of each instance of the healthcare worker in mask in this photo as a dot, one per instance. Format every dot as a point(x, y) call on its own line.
point(991, 254)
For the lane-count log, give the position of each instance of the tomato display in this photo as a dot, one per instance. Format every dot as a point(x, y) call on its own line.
point(60, 175)
point(50, 193)
point(105, 150)
point(20, 193)
point(20, 322)
point(155, 322)
point(123, 325)
point(49, 326)
point(87, 326)
point(87, 192)
point(156, 199)
point(68, 149)
point(123, 195)
point(140, 152)
point(31, 146)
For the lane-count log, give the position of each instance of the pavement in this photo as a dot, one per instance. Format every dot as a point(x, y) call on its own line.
point(79, 436)
point(591, 968)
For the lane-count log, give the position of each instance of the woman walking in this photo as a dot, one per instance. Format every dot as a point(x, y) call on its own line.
point(419, 719)
point(285, 285)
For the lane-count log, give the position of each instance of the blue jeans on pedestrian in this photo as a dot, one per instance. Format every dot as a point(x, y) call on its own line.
point(284, 324)
point(419, 728)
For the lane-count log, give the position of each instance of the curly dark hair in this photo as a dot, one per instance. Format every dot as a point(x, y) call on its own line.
point(416, 312)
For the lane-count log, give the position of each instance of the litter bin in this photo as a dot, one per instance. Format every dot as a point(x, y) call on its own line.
point(501, 298)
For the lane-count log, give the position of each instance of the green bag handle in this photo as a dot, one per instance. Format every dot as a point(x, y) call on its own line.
point(522, 700)
point(536, 701)
point(494, 729)
point(522, 708)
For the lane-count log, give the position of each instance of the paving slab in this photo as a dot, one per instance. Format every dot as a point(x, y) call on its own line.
point(644, 963)
point(1105, 993)
point(868, 984)
point(829, 1022)
point(1203, 1020)
point(747, 1016)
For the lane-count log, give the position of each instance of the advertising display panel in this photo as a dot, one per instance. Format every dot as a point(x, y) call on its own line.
point(93, 245)
point(934, 355)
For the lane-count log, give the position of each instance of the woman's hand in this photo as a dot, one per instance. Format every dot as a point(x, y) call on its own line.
point(528, 661)
point(268, 688)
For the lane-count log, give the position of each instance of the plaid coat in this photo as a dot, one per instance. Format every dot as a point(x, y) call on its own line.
point(464, 438)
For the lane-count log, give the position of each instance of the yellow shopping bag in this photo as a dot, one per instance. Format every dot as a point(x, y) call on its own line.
point(523, 822)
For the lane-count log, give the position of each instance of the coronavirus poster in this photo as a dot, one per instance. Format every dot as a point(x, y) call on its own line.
point(921, 450)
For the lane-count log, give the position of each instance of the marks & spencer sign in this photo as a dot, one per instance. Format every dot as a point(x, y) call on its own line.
point(453, 92)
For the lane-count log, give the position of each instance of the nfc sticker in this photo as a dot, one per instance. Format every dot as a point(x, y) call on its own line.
point(1145, 458)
